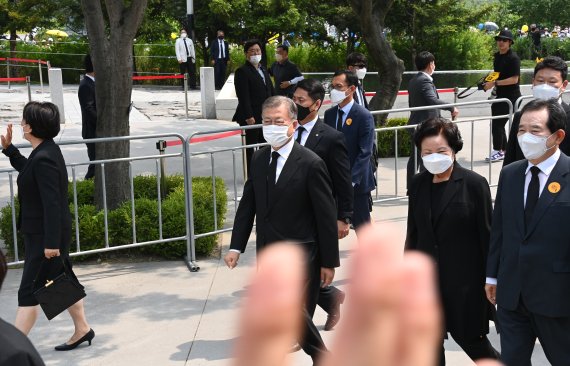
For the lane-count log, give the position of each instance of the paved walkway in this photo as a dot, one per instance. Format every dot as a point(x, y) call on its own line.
point(158, 313)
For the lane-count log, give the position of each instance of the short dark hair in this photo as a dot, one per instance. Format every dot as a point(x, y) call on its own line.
point(3, 268)
point(314, 88)
point(251, 43)
point(88, 63)
point(423, 59)
point(279, 100)
point(439, 126)
point(355, 58)
point(351, 78)
point(556, 115)
point(43, 118)
point(284, 47)
point(555, 63)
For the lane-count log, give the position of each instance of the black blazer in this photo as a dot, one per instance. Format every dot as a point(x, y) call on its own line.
point(86, 94)
point(251, 92)
point(42, 192)
point(329, 145)
point(359, 137)
point(457, 237)
point(302, 210)
point(514, 153)
point(215, 50)
point(422, 92)
point(532, 263)
point(16, 349)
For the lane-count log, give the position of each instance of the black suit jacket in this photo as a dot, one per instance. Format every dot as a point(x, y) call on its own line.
point(302, 210)
point(329, 145)
point(363, 92)
point(16, 349)
point(532, 263)
point(86, 94)
point(456, 235)
point(251, 92)
point(422, 92)
point(359, 137)
point(215, 50)
point(42, 192)
point(514, 152)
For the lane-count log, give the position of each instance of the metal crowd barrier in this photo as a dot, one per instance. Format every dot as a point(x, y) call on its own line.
point(184, 154)
point(518, 102)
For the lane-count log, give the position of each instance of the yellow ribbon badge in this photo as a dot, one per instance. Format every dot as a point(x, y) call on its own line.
point(348, 121)
point(554, 187)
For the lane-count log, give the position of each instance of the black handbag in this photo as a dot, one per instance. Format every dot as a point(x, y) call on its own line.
point(58, 294)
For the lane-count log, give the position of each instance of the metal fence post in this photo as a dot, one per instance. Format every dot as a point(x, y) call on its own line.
point(161, 146)
point(455, 92)
point(186, 92)
point(190, 258)
point(41, 76)
point(29, 89)
point(244, 155)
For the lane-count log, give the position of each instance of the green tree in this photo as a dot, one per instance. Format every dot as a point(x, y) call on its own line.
point(551, 12)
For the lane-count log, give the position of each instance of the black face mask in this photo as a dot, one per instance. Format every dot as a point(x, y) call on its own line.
point(303, 112)
point(220, 37)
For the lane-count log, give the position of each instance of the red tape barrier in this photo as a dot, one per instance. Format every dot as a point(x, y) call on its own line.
point(401, 92)
point(159, 77)
point(23, 60)
point(13, 79)
point(205, 138)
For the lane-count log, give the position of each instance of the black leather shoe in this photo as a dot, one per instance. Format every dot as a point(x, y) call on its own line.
point(68, 347)
point(334, 316)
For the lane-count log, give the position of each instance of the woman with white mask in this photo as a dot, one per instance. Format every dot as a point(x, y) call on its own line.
point(449, 218)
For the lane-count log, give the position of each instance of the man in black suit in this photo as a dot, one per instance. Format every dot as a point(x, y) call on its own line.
point(528, 266)
point(220, 53)
point(253, 86)
point(422, 92)
point(356, 62)
point(357, 125)
point(286, 73)
point(549, 81)
point(88, 103)
point(289, 193)
point(329, 145)
point(15, 347)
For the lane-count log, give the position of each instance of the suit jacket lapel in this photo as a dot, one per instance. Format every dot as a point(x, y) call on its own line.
point(546, 197)
point(449, 192)
point(315, 135)
point(288, 171)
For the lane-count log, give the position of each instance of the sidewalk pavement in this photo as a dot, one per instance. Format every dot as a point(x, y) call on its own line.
point(157, 312)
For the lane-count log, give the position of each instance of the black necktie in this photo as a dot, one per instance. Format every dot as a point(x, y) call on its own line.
point(531, 195)
point(186, 46)
point(339, 120)
point(272, 174)
point(300, 131)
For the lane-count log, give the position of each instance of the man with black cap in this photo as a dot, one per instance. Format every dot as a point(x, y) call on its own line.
point(508, 64)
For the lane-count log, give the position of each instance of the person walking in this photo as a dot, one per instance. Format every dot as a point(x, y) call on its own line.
point(45, 219)
point(88, 103)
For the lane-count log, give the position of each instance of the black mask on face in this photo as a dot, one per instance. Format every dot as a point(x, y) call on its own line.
point(303, 112)
point(220, 37)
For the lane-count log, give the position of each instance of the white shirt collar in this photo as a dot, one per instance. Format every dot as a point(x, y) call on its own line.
point(346, 109)
point(547, 165)
point(428, 75)
point(309, 125)
point(285, 150)
point(90, 77)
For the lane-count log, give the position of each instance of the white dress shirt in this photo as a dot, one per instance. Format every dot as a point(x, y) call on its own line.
point(308, 128)
point(181, 54)
point(429, 76)
point(221, 49)
point(545, 170)
point(346, 109)
point(284, 152)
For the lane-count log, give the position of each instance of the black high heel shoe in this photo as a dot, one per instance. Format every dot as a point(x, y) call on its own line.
point(68, 347)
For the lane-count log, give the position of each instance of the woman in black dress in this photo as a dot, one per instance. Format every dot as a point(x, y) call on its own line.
point(449, 218)
point(45, 220)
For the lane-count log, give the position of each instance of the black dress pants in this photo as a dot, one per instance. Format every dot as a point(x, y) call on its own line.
point(91, 154)
point(220, 66)
point(188, 68)
point(252, 137)
point(498, 125)
point(476, 349)
point(415, 164)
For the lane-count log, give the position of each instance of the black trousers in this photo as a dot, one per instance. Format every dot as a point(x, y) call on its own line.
point(519, 330)
point(498, 125)
point(220, 66)
point(415, 164)
point(476, 349)
point(91, 154)
point(311, 342)
point(362, 208)
point(188, 68)
point(252, 137)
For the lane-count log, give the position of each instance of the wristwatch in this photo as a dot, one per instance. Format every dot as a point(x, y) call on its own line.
point(346, 220)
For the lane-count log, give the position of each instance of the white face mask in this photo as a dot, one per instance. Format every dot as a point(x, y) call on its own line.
point(255, 59)
point(278, 57)
point(361, 73)
point(437, 163)
point(545, 91)
point(276, 136)
point(532, 146)
point(183, 35)
point(337, 96)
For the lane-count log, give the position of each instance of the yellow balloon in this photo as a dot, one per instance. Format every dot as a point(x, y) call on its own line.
point(173, 35)
point(524, 28)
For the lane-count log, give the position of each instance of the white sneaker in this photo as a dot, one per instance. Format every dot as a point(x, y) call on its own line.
point(498, 156)
point(493, 152)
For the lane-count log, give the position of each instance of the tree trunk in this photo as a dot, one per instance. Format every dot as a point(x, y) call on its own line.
point(13, 41)
point(111, 38)
point(372, 14)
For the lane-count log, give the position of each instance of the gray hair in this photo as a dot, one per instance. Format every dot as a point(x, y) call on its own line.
point(276, 101)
